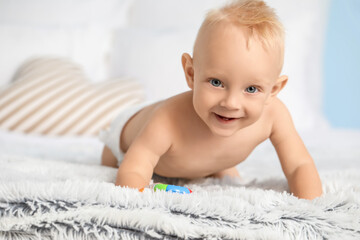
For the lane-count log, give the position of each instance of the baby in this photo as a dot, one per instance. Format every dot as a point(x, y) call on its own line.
point(234, 77)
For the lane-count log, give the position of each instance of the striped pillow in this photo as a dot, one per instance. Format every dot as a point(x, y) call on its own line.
point(51, 96)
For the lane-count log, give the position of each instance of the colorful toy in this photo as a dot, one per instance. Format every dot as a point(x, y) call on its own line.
point(168, 188)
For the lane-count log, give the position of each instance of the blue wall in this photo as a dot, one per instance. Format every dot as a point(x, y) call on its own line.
point(342, 65)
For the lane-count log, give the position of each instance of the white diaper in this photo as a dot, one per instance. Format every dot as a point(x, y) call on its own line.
point(111, 136)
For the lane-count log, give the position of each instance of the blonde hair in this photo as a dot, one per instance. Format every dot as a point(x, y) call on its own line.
point(261, 21)
point(258, 19)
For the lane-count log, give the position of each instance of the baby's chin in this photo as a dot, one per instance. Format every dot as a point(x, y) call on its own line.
point(223, 133)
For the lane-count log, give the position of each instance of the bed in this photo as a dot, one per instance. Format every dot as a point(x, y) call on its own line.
point(52, 185)
point(54, 188)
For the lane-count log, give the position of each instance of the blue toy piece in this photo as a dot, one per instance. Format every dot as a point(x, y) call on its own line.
point(177, 189)
point(171, 188)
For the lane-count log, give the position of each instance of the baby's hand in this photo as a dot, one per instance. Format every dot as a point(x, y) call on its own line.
point(168, 188)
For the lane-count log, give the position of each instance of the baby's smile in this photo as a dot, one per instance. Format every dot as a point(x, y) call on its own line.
point(225, 119)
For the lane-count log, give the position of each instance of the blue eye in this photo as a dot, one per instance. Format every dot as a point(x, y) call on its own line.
point(251, 89)
point(215, 82)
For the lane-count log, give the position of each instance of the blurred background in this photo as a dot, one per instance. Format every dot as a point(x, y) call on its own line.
point(342, 64)
point(145, 40)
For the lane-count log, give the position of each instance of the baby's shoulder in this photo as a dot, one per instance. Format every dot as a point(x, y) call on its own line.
point(276, 107)
point(167, 113)
point(176, 105)
point(278, 114)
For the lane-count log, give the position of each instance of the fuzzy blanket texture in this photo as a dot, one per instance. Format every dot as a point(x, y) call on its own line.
point(44, 199)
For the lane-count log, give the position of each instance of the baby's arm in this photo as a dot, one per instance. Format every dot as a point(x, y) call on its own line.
point(154, 140)
point(296, 162)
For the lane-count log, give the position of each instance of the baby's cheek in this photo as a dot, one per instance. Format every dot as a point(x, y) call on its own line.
point(255, 111)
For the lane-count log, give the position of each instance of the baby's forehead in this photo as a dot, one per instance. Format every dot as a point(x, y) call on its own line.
point(228, 29)
point(227, 40)
point(214, 36)
point(226, 37)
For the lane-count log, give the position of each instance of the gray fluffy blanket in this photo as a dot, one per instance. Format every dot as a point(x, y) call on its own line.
point(58, 200)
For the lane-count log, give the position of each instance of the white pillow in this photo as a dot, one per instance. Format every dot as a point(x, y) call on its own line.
point(51, 96)
point(78, 30)
point(150, 49)
point(88, 46)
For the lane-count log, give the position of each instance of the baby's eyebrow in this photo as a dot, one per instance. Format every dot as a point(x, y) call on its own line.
point(216, 73)
point(260, 81)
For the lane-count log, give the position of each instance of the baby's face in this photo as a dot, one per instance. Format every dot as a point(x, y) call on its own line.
point(232, 82)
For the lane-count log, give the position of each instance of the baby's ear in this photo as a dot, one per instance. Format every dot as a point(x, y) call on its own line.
point(187, 63)
point(280, 84)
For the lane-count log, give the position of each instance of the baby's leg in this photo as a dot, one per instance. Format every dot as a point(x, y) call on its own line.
point(108, 158)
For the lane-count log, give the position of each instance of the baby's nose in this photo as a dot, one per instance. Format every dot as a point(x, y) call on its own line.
point(232, 102)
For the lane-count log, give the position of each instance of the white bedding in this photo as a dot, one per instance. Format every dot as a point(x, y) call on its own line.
point(54, 188)
point(331, 149)
point(72, 149)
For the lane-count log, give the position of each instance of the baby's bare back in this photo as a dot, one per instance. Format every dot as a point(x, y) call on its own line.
point(195, 151)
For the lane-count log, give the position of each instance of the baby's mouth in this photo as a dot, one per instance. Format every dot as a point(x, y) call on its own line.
point(224, 118)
